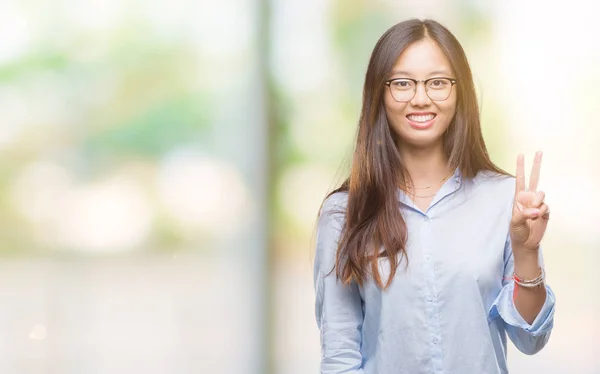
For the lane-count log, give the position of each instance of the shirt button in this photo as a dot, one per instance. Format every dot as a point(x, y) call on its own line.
point(428, 258)
point(430, 298)
point(434, 341)
point(425, 218)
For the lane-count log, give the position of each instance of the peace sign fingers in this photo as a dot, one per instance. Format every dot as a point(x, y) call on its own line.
point(527, 229)
point(534, 178)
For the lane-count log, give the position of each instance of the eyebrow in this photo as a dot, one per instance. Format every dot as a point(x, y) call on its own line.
point(433, 73)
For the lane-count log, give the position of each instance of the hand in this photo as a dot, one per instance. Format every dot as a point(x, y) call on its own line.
point(530, 213)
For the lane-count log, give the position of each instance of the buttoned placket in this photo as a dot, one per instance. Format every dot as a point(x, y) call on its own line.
point(430, 293)
point(427, 239)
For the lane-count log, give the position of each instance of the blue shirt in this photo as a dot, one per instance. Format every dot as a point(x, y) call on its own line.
point(451, 309)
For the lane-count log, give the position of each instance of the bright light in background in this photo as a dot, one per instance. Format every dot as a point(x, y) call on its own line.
point(111, 215)
point(302, 35)
point(94, 15)
point(15, 31)
point(38, 332)
point(201, 192)
point(234, 30)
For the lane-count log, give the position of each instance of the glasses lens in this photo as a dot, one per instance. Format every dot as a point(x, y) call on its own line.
point(439, 89)
point(402, 89)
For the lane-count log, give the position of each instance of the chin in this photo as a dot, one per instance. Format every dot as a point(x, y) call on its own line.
point(421, 140)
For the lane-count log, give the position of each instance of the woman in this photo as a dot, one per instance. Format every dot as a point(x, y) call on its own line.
point(428, 254)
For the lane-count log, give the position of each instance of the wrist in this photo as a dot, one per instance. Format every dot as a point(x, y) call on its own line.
point(526, 263)
point(525, 254)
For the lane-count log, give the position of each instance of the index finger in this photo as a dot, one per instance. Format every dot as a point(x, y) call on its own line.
point(520, 176)
point(535, 172)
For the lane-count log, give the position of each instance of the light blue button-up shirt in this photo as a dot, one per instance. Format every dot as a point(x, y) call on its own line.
point(450, 310)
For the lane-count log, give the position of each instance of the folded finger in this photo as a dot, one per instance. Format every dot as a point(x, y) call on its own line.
point(545, 211)
point(538, 200)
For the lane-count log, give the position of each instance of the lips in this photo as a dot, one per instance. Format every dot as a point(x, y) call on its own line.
point(421, 118)
point(421, 121)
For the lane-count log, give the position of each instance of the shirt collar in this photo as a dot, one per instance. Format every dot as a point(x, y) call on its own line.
point(449, 187)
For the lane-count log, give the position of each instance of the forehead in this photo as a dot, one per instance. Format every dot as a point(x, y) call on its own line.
point(421, 59)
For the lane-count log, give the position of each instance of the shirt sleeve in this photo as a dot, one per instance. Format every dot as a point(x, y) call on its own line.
point(528, 338)
point(338, 307)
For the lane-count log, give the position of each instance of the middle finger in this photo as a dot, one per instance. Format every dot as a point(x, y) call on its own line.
point(535, 172)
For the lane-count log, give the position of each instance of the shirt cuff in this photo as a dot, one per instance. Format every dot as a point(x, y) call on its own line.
point(504, 307)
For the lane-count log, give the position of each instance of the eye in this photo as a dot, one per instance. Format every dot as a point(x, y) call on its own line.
point(438, 83)
point(402, 84)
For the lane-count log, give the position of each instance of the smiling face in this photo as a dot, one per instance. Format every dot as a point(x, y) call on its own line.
point(421, 122)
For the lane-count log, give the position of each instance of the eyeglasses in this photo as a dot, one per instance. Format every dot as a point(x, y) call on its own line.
point(404, 89)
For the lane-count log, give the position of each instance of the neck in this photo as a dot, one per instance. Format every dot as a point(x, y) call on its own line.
point(426, 166)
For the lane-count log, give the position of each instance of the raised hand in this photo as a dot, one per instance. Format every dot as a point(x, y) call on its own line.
point(530, 213)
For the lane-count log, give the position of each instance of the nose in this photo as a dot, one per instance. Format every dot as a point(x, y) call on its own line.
point(420, 99)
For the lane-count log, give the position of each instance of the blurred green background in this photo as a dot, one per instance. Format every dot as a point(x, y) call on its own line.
point(162, 164)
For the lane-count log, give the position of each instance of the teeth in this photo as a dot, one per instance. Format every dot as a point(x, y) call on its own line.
point(421, 118)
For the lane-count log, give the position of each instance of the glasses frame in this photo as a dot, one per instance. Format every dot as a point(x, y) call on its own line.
point(388, 83)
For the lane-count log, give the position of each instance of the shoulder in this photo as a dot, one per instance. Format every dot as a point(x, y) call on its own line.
point(335, 203)
point(496, 184)
point(329, 228)
point(492, 180)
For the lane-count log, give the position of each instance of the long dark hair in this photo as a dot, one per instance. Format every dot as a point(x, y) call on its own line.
point(373, 218)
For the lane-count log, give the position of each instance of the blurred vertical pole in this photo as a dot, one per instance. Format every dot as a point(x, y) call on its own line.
point(265, 190)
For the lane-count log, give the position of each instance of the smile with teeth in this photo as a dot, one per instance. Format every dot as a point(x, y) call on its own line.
point(421, 118)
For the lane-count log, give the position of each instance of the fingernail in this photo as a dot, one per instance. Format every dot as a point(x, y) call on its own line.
point(533, 212)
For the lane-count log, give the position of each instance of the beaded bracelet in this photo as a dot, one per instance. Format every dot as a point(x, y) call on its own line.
point(530, 283)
